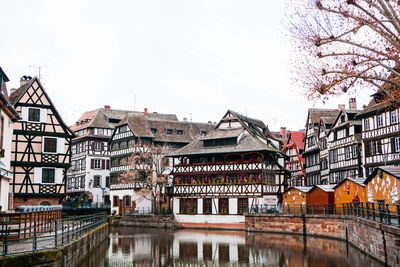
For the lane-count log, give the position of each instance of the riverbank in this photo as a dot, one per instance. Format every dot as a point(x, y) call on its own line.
point(377, 240)
point(70, 254)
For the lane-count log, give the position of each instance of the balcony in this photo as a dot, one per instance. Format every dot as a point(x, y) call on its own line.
point(221, 167)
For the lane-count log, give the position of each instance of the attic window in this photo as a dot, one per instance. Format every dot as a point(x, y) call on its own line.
point(203, 133)
point(169, 131)
point(179, 132)
point(343, 118)
point(123, 129)
point(153, 130)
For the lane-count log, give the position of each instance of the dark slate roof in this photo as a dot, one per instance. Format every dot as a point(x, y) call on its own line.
point(256, 122)
point(223, 133)
point(142, 126)
point(247, 143)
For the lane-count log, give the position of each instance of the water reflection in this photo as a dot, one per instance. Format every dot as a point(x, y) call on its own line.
point(156, 247)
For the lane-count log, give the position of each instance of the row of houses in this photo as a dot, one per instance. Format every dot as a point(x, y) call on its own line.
point(344, 143)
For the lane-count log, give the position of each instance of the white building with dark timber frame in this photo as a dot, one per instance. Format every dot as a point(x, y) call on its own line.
point(8, 116)
point(234, 168)
point(41, 152)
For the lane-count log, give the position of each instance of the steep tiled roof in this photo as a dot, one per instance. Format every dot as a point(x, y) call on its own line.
point(247, 144)
point(223, 133)
point(15, 95)
point(298, 139)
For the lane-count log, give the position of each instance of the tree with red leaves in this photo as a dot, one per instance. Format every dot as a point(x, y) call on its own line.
point(346, 45)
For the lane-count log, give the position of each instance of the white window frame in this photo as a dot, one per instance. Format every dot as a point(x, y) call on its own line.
point(97, 146)
point(95, 165)
point(397, 144)
point(393, 117)
point(379, 121)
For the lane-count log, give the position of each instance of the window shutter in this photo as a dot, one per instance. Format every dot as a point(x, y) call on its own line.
point(92, 163)
point(103, 164)
point(392, 142)
point(102, 146)
point(108, 164)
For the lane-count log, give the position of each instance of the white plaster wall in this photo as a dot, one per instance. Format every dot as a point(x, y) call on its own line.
point(4, 193)
point(97, 192)
point(200, 206)
point(233, 205)
point(5, 181)
point(142, 202)
point(214, 219)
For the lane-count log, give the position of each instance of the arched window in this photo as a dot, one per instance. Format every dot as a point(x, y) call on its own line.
point(123, 145)
point(114, 147)
point(45, 203)
point(114, 163)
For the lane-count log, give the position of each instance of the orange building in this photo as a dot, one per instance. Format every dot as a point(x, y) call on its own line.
point(320, 197)
point(384, 185)
point(347, 189)
point(295, 196)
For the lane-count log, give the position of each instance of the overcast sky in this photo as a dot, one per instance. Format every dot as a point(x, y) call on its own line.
point(193, 58)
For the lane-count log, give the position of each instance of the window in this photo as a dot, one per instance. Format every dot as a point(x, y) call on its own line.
point(123, 145)
point(83, 147)
point(34, 114)
point(310, 141)
point(379, 120)
point(169, 131)
point(97, 164)
point(188, 205)
point(347, 152)
point(354, 151)
point(203, 133)
point(123, 129)
point(343, 118)
point(127, 201)
point(97, 146)
point(97, 181)
point(115, 201)
point(242, 205)
point(179, 132)
point(393, 117)
point(69, 183)
point(2, 131)
point(50, 145)
point(83, 164)
point(131, 143)
point(223, 206)
point(77, 183)
point(78, 149)
point(83, 182)
point(395, 144)
point(115, 146)
point(153, 130)
point(101, 131)
point(108, 182)
point(207, 206)
point(114, 163)
point(48, 175)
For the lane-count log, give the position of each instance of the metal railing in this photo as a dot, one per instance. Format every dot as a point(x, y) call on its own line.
point(54, 234)
point(144, 211)
point(381, 212)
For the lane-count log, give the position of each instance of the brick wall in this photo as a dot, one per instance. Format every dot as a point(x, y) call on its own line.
point(380, 241)
point(34, 201)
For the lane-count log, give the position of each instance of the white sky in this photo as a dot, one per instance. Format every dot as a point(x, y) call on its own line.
point(193, 58)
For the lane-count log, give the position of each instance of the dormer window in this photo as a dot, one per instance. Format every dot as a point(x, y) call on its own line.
point(34, 114)
point(169, 131)
point(343, 118)
point(203, 133)
point(379, 120)
point(123, 129)
point(179, 132)
point(153, 130)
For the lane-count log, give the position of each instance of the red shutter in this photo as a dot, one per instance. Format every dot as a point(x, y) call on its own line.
point(103, 164)
point(108, 164)
point(92, 163)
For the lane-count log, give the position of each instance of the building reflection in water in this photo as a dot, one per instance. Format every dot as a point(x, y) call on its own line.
point(156, 247)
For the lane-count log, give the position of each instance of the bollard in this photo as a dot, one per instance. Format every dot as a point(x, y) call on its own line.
point(367, 208)
point(62, 232)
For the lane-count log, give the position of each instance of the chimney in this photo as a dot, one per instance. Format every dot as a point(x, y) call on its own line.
point(364, 106)
point(184, 119)
point(145, 111)
point(352, 103)
point(341, 106)
point(283, 132)
point(24, 80)
point(107, 107)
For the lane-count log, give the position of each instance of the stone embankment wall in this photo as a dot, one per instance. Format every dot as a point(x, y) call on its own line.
point(158, 221)
point(380, 241)
point(69, 255)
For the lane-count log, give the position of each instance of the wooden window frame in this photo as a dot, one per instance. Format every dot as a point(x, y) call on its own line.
point(54, 176)
point(115, 201)
point(45, 145)
point(97, 181)
point(32, 116)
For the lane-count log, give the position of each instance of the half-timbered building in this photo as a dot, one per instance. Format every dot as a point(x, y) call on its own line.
point(8, 115)
point(89, 175)
point(315, 144)
point(232, 169)
point(381, 130)
point(344, 144)
point(141, 135)
point(41, 152)
point(295, 164)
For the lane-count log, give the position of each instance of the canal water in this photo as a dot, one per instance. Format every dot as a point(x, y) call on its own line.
point(130, 246)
